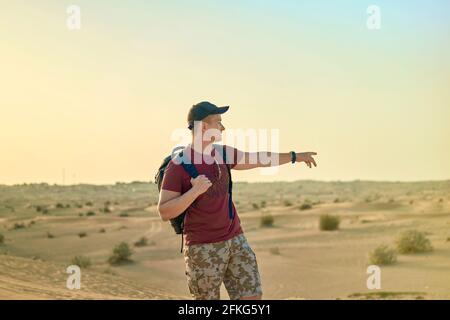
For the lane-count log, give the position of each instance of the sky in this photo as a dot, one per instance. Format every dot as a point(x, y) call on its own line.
point(102, 104)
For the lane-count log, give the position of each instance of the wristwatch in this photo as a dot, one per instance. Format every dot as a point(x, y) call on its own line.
point(293, 156)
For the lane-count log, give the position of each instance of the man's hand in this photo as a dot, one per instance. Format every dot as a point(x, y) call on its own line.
point(307, 158)
point(200, 184)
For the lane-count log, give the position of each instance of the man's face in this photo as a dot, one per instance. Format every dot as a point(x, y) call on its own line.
point(214, 122)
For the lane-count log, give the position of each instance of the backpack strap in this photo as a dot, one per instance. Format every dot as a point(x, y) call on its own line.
point(223, 152)
point(192, 171)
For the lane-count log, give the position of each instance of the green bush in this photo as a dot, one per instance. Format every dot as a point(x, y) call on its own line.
point(121, 253)
point(305, 206)
point(142, 242)
point(90, 213)
point(413, 241)
point(18, 226)
point(275, 251)
point(287, 203)
point(267, 220)
point(329, 222)
point(382, 255)
point(81, 261)
point(59, 205)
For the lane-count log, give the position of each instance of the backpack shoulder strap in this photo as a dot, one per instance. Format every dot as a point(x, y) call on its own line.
point(223, 152)
point(188, 167)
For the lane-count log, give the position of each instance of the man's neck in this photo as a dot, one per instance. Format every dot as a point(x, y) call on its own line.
point(201, 146)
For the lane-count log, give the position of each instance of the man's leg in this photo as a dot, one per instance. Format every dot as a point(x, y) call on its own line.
point(242, 279)
point(205, 269)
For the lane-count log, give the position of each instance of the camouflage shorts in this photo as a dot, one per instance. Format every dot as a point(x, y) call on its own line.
point(232, 262)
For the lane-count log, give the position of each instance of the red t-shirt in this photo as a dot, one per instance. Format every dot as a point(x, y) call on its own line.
point(207, 218)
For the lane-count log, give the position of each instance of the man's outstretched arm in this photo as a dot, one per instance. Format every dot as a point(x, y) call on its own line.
point(251, 160)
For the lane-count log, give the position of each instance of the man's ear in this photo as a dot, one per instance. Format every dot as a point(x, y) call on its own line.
point(204, 127)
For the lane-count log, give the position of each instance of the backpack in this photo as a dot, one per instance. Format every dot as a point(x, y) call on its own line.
point(178, 222)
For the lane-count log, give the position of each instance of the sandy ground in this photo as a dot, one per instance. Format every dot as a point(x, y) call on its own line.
point(296, 259)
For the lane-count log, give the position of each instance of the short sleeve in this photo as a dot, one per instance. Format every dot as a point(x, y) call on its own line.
point(173, 177)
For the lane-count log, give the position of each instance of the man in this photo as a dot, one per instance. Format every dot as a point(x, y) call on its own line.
point(216, 249)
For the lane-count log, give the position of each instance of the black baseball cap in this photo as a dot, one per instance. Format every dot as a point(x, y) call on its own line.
point(203, 109)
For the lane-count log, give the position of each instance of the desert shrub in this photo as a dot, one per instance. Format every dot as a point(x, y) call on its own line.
point(255, 206)
point(336, 200)
point(305, 206)
point(411, 202)
point(448, 239)
point(287, 203)
point(90, 213)
point(142, 242)
point(121, 253)
point(59, 205)
point(2, 239)
point(110, 272)
point(81, 261)
point(18, 226)
point(44, 211)
point(50, 235)
point(267, 220)
point(413, 241)
point(102, 230)
point(38, 208)
point(263, 204)
point(107, 209)
point(89, 203)
point(124, 214)
point(275, 251)
point(441, 200)
point(68, 205)
point(79, 205)
point(382, 255)
point(329, 222)
point(82, 234)
point(81, 214)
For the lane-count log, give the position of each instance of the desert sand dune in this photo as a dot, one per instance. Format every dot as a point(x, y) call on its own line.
point(22, 278)
point(53, 224)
